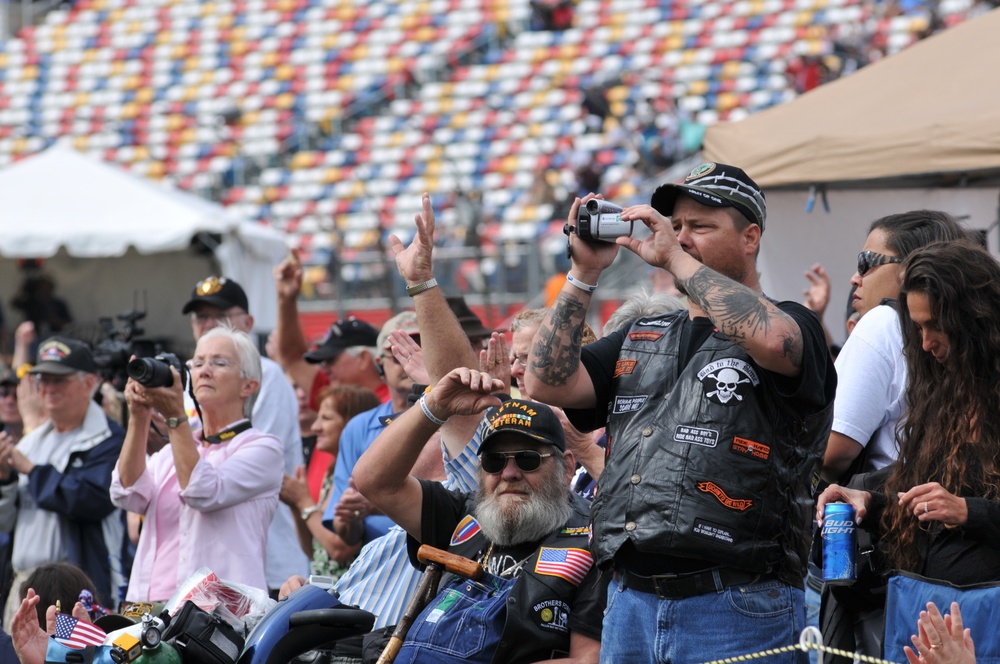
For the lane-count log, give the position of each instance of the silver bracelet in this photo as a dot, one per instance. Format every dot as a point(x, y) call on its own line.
point(427, 412)
point(421, 287)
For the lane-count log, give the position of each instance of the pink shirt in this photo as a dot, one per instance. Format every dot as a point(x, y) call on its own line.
point(219, 521)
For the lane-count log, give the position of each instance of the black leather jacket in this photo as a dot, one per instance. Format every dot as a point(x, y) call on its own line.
point(705, 461)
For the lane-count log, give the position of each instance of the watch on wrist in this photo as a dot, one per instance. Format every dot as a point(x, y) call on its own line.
point(309, 511)
point(174, 422)
point(416, 289)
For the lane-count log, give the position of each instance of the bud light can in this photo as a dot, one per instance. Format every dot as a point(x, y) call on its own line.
point(840, 544)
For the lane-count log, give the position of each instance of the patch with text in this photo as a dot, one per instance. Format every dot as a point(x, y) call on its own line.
point(552, 614)
point(739, 504)
point(696, 435)
point(628, 404)
point(749, 448)
point(728, 380)
point(713, 531)
point(644, 336)
point(623, 367)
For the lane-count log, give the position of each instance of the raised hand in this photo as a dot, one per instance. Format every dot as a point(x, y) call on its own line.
point(414, 262)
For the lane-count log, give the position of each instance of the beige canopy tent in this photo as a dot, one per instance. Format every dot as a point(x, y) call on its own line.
point(931, 110)
point(918, 130)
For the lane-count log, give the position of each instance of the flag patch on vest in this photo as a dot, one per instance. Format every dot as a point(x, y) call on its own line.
point(696, 435)
point(713, 531)
point(727, 380)
point(569, 564)
point(464, 531)
point(740, 504)
point(628, 404)
point(749, 448)
point(623, 367)
point(644, 336)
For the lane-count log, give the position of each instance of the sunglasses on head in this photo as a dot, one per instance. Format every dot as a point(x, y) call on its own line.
point(527, 460)
point(869, 259)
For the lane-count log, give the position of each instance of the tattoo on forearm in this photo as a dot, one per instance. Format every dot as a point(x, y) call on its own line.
point(556, 355)
point(740, 313)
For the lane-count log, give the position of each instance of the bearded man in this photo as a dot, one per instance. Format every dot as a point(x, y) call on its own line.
point(541, 598)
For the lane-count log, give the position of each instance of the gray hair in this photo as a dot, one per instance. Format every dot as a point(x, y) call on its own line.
point(528, 318)
point(249, 358)
point(640, 304)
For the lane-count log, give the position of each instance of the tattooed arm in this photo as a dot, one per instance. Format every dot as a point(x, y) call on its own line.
point(741, 312)
point(554, 374)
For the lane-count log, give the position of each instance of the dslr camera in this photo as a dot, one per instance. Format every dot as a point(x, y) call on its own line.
point(155, 371)
point(600, 221)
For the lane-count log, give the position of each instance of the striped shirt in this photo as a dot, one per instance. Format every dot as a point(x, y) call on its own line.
point(382, 580)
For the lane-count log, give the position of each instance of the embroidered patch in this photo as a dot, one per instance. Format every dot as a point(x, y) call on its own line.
point(740, 504)
point(713, 531)
point(574, 532)
point(727, 380)
point(464, 531)
point(552, 614)
point(696, 436)
point(749, 448)
point(644, 336)
point(628, 404)
point(700, 171)
point(623, 367)
point(654, 322)
point(569, 564)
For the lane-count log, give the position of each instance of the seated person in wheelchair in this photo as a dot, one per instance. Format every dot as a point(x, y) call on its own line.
point(541, 598)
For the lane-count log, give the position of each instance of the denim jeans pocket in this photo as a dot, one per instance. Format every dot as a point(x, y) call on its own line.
point(767, 599)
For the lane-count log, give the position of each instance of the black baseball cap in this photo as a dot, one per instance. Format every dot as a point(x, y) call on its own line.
point(527, 418)
point(471, 324)
point(342, 335)
point(62, 356)
point(218, 292)
point(715, 185)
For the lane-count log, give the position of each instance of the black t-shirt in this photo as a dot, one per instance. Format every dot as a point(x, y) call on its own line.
point(808, 392)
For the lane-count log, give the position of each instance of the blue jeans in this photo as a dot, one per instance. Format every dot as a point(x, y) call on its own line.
point(739, 620)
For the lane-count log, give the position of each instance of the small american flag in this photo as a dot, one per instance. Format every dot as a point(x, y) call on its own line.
point(74, 633)
point(569, 564)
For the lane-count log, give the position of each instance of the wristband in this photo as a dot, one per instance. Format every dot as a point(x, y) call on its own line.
point(416, 289)
point(587, 288)
point(427, 412)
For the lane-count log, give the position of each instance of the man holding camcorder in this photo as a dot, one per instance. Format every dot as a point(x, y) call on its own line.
point(716, 419)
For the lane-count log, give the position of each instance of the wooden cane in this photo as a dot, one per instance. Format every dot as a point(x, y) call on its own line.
point(437, 561)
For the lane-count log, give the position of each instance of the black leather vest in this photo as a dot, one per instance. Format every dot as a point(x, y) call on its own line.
point(705, 461)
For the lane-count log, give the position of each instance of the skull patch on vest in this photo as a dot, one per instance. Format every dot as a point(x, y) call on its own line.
point(727, 381)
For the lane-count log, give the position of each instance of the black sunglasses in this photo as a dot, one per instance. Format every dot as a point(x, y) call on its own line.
point(869, 259)
point(527, 460)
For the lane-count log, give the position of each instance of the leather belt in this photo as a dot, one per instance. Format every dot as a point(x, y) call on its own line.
point(682, 586)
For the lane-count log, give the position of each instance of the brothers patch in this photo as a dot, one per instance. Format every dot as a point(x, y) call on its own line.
point(552, 614)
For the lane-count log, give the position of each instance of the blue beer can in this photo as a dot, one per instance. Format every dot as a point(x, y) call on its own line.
point(840, 544)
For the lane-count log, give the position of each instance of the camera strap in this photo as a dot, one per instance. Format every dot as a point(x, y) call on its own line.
point(228, 433)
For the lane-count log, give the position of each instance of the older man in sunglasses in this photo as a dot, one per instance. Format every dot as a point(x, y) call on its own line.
point(542, 598)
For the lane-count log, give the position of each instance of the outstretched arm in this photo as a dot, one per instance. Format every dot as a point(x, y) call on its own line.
point(289, 339)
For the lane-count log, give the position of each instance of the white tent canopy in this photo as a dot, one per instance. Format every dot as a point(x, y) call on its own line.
point(106, 235)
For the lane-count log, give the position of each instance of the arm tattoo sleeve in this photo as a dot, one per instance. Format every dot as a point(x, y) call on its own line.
point(556, 355)
point(741, 313)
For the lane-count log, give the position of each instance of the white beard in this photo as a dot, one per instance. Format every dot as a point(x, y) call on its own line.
point(509, 521)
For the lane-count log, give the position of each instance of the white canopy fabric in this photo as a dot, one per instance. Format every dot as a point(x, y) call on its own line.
point(107, 234)
point(930, 110)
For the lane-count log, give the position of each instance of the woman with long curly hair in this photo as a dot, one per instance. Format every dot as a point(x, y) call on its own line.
point(939, 511)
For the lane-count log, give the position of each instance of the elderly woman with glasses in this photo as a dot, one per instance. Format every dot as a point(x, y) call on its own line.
point(208, 496)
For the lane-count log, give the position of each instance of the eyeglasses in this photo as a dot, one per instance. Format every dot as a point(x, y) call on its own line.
point(8, 391)
point(523, 359)
point(55, 379)
point(869, 259)
point(215, 362)
point(527, 460)
point(389, 357)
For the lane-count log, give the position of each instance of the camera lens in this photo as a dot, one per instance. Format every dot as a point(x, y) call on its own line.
point(593, 206)
point(150, 372)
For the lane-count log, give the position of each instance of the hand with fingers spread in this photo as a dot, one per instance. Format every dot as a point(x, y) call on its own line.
point(407, 352)
point(941, 639)
point(932, 502)
point(30, 641)
point(415, 263)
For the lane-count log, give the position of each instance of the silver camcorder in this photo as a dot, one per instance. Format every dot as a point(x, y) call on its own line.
point(601, 221)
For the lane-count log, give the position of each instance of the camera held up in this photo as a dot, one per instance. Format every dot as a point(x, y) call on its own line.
point(601, 221)
point(155, 371)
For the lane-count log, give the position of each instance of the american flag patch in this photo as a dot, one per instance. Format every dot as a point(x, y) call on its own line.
point(74, 633)
point(569, 564)
point(464, 531)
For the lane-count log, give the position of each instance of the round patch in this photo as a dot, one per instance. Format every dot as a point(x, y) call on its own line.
point(546, 615)
point(700, 171)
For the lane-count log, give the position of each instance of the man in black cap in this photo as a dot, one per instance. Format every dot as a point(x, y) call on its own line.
point(218, 300)
point(523, 525)
point(54, 483)
point(716, 419)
